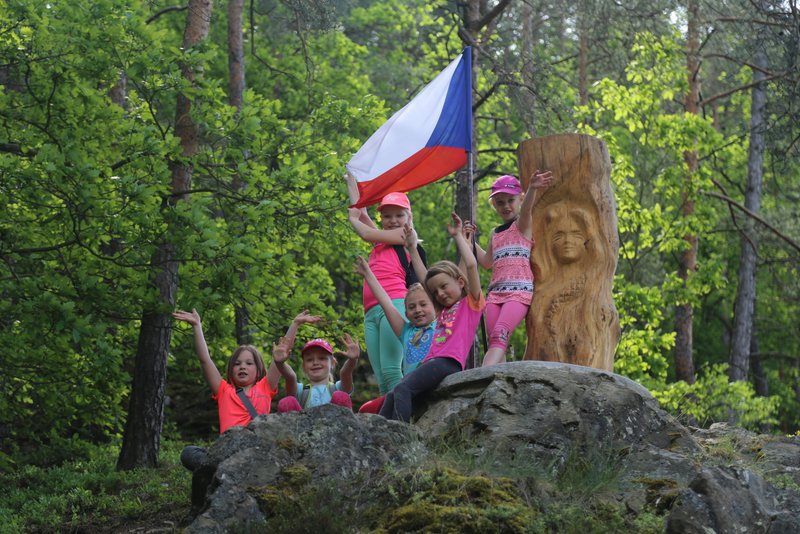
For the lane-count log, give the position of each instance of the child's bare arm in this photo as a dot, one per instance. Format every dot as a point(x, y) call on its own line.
point(300, 319)
point(210, 370)
point(352, 353)
point(274, 373)
point(372, 234)
point(539, 180)
point(279, 367)
point(484, 257)
point(396, 320)
point(470, 264)
point(352, 192)
point(416, 260)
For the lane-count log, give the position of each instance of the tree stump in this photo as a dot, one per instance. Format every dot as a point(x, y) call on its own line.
point(572, 318)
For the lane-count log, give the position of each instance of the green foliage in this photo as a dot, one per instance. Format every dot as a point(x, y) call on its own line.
point(90, 493)
point(713, 398)
point(84, 183)
point(647, 135)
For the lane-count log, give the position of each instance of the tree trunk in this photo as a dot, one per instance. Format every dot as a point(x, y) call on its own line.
point(746, 290)
point(684, 363)
point(236, 86)
point(759, 377)
point(583, 62)
point(526, 96)
point(142, 436)
point(572, 318)
point(235, 54)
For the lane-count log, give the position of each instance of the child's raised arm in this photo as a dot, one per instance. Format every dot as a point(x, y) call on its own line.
point(539, 180)
point(396, 320)
point(484, 257)
point(395, 236)
point(210, 370)
point(280, 354)
point(274, 372)
point(352, 192)
point(352, 353)
point(411, 246)
point(468, 260)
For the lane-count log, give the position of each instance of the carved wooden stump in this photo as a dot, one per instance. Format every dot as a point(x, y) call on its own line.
point(572, 317)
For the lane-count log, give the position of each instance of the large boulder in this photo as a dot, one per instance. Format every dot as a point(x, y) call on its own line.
point(548, 410)
point(323, 445)
point(518, 415)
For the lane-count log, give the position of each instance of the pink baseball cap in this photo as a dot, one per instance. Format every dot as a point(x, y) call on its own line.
point(396, 199)
point(319, 342)
point(506, 184)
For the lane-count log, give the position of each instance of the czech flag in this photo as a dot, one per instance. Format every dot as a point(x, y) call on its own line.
point(428, 139)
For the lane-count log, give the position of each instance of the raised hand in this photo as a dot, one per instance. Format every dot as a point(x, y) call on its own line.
point(455, 228)
point(305, 318)
point(192, 317)
point(541, 179)
point(353, 349)
point(280, 351)
point(361, 267)
point(411, 237)
point(469, 230)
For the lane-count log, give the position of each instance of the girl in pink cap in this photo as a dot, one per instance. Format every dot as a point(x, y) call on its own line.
point(391, 265)
point(509, 256)
point(319, 361)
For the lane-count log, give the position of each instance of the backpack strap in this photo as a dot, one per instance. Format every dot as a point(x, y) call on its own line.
point(304, 395)
point(411, 274)
point(247, 404)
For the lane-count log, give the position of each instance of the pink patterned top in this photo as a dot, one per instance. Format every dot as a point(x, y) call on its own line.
point(512, 277)
point(455, 330)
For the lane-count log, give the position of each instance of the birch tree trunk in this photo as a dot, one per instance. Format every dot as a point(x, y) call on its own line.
point(142, 436)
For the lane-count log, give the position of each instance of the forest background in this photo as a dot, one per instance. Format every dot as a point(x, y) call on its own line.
point(155, 156)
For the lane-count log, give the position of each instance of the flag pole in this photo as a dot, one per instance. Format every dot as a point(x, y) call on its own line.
point(476, 349)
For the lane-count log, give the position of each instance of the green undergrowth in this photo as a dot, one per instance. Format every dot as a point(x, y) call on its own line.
point(90, 495)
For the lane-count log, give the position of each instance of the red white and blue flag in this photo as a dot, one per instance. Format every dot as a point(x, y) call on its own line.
point(428, 139)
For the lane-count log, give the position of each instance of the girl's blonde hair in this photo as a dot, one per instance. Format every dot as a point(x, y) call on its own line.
point(450, 269)
point(416, 286)
point(261, 370)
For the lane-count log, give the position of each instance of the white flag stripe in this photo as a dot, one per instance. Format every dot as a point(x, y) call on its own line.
point(406, 132)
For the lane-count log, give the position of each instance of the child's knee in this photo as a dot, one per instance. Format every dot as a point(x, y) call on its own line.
point(499, 338)
point(289, 404)
point(340, 398)
point(192, 457)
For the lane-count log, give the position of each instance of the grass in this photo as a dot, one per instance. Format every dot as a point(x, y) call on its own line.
point(91, 496)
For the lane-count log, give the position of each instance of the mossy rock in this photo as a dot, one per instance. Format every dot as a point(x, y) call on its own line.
point(447, 501)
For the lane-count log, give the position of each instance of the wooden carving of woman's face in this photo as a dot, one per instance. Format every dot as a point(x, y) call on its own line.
point(568, 238)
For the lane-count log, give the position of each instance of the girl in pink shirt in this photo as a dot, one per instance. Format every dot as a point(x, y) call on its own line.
point(458, 299)
point(384, 349)
point(509, 256)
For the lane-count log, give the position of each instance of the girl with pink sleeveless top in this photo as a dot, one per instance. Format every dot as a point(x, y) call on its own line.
point(509, 256)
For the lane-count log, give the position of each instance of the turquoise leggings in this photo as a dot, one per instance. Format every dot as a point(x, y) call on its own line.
point(384, 347)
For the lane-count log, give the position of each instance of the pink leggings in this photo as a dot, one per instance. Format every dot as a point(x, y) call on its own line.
point(502, 319)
